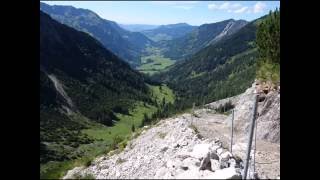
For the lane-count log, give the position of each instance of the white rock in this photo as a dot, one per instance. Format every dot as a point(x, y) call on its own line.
point(233, 163)
point(205, 173)
point(216, 140)
point(173, 164)
point(72, 172)
point(219, 151)
point(226, 155)
point(200, 150)
point(227, 173)
point(161, 172)
point(184, 143)
point(190, 162)
point(215, 147)
point(215, 165)
point(191, 174)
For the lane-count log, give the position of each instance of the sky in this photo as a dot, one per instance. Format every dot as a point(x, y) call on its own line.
point(171, 12)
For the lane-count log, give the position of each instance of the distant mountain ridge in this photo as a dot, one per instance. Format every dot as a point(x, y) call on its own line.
point(127, 45)
point(200, 37)
point(219, 70)
point(138, 27)
point(168, 32)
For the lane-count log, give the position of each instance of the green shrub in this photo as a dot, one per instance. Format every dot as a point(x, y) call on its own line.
point(268, 71)
point(88, 163)
point(133, 128)
point(116, 140)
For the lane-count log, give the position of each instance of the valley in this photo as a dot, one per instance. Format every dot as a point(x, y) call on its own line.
point(103, 85)
point(154, 62)
point(105, 138)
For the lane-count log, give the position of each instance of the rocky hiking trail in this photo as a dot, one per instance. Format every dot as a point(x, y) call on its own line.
point(196, 146)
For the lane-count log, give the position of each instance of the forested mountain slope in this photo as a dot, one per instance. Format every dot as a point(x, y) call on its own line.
point(199, 38)
point(168, 32)
point(127, 45)
point(220, 70)
point(77, 74)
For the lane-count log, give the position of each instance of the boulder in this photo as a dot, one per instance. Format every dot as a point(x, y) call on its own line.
point(226, 155)
point(216, 140)
point(220, 151)
point(233, 163)
point(205, 173)
point(227, 173)
point(215, 147)
point(161, 172)
point(205, 163)
point(173, 164)
point(215, 165)
point(224, 164)
point(200, 150)
point(213, 155)
point(190, 163)
point(190, 174)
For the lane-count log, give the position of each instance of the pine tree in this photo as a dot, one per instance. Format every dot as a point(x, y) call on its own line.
point(268, 43)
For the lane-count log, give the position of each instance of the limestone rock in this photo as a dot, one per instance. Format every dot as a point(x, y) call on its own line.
point(215, 165)
point(219, 151)
point(205, 163)
point(200, 150)
point(213, 155)
point(227, 173)
point(226, 155)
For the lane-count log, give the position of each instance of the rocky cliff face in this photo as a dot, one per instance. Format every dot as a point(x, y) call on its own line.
point(197, 145)
point(268, 118)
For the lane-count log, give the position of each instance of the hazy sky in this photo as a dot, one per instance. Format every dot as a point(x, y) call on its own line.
point(170, 12)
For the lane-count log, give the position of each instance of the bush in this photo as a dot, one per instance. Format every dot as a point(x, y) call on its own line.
point(268, 71)
point(268, 43)
point(88, 163)
point(133, 128)
point(116, 141)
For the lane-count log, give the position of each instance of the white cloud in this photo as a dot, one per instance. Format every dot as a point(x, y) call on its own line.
point(229, 7)
point(225, 6)
point(232, 7)
point(241, 10)
point(212, 6)
point(259, 7)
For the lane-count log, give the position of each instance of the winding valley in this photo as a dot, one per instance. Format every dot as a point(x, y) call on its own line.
point(122, 92)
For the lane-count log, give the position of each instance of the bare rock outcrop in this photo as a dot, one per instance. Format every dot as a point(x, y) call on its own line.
point(268, 118)
point(171, 149)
